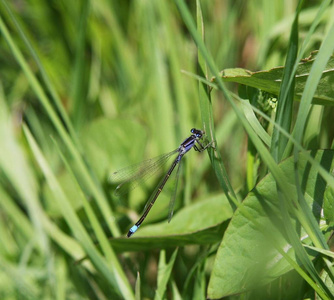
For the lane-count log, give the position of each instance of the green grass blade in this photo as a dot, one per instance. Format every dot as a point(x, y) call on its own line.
point(15, 214)
point(18, 171)
point(325, 52)
point(207, 119)
point(109, 268)
point(79, 86)
point(285, 97)
point(259, 221)
point(137, 288)
point(44, 74)
point(254, 122)
point(92, 185)
point(164, 273)
point(261, 149)
point(94, 222)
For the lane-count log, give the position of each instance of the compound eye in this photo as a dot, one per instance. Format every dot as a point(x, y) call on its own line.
point(192, 130)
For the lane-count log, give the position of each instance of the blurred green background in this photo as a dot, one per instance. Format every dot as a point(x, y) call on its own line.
point(88, 87)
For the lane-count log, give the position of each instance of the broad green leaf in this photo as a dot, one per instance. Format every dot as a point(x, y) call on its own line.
point(200, 223)
point(246, 256)
point(270, 80)
point(204, 236)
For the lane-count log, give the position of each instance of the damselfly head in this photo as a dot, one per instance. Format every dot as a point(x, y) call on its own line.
point(196, 132)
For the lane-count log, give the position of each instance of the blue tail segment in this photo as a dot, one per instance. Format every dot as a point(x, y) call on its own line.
point(132, 230)
point(133, 175)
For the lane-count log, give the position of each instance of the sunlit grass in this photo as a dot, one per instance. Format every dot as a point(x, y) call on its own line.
point(90, 87)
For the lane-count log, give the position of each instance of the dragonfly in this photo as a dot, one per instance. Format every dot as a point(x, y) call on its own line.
point(130, 177)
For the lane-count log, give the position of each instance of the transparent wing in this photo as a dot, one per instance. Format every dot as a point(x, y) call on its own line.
point(132, 176)
point(172, 199)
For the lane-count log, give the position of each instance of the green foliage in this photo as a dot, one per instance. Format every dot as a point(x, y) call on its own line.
point(87, 88)
point(270, 80)
point(259, 220)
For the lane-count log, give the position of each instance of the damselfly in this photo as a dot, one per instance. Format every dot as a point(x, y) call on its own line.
point(131, 176)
